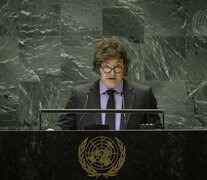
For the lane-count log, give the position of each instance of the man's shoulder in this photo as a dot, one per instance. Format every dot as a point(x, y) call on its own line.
point(83, 87)
point(138, 86)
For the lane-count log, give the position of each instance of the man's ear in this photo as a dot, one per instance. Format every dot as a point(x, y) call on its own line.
point(98, 71)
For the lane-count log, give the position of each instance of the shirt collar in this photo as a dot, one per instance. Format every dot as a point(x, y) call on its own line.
point(103, 88)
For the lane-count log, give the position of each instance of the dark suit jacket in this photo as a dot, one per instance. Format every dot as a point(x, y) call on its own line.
point(136, 96)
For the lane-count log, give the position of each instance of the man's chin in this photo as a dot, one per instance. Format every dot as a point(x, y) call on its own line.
point(111, 85)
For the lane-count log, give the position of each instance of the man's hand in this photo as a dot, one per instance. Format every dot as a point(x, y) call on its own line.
point(49, 129)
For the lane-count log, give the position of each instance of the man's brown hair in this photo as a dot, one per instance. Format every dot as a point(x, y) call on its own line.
point(109, 48)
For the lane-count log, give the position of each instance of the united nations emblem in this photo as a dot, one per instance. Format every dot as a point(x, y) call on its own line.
point(102, 156)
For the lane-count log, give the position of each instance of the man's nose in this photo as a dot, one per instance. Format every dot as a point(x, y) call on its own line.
point(112, 72)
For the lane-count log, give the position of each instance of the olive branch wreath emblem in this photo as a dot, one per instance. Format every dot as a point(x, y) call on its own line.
point(93, 172)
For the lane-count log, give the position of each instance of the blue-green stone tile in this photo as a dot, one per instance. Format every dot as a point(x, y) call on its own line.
point(81, 20)
point(9, 52)
point(196, 16)
point(77, 62)
point(196, 62)
point(171, 96)
point(164, 58)
point(41, 55)
point(197, 104)
point(9, 106)
point(39, 18)
point(9, 13)
point(29, 104)
point(123, 21)
point(165, 18)
point(46, 48)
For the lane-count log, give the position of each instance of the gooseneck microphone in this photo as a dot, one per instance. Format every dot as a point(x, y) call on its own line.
point(85, 104)
point(123, 105)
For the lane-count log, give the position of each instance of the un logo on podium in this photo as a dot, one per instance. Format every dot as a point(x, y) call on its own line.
point(101, 156)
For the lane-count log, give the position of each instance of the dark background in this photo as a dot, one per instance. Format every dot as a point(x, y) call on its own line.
point(46, 48)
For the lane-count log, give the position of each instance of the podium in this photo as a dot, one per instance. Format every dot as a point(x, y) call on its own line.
point(98, 111)
point(149, 154)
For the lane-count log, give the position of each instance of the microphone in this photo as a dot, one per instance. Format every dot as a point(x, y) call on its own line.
point(123, 105)
point(85, 104)
point(140, 126)
point(92, 126)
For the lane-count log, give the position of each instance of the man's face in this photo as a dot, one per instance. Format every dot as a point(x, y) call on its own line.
point(112, 79)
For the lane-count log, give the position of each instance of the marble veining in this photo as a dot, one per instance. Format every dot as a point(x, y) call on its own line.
point(46, 48)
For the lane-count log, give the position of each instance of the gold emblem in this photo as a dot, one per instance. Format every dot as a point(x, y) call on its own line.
point(101, 156)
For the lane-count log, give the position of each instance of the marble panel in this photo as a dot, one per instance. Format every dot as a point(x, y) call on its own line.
point(196, 14)
point(9, 56)
point(29, 103)
point(55, 96)
point(115, 20)
point(165, 17)
point(50, 93)
point(77, 62)
point(81, 20)
point(11, 68)
point(9, 106)
point(158, 58)
point(171, 96)
point(197, 104)
point(39, 18)
point(123, 19)
point(10, 72)
point(9, 13)
point(46, 48)
point(41, 55)
point(196, 53)
point(164, 58)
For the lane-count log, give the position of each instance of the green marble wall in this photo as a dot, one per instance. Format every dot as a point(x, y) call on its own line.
point(46, 48)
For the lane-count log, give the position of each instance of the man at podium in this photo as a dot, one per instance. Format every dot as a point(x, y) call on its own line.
point(111, 91)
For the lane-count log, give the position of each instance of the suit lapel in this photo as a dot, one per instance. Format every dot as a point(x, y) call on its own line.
point(94, 101)
point(129, 98)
